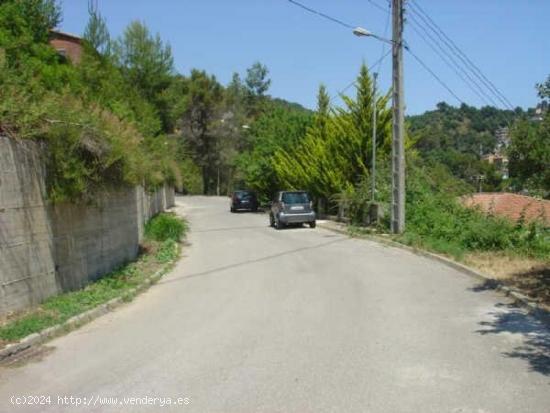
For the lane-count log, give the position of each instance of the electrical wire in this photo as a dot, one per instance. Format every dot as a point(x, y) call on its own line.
point(378, 6)
point(405, 46)
point(452, 64)
point(326, 16)
point(354, 82)
point(427, 68)
point(385, 33)
point(432, 25)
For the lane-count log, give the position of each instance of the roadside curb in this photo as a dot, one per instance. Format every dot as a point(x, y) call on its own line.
point(518, 297)
point(83, 318)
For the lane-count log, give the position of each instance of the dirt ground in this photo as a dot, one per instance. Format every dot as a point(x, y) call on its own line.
point(528, 275)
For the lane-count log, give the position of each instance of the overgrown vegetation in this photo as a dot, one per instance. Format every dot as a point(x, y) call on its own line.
point(161, 246)
point(124, 116)
point(334, 155)
point(164, 227)
point(436, 220)
point(459, 136)
point(100, 129)
point(331, 159)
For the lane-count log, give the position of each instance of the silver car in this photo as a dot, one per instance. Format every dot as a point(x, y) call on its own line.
point(291, 207)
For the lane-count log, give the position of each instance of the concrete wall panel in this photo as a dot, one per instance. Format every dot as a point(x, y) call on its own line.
point(46, 249)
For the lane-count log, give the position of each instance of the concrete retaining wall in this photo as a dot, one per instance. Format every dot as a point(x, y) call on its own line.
point(47, 249)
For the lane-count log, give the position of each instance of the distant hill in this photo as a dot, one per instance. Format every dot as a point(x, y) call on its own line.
point(282, 103)
point(465, 129)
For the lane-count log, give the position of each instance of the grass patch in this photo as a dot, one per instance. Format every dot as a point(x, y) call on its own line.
point(164, 227)
point(59, 309)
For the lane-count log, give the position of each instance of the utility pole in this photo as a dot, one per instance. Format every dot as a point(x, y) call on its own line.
point(481, 178)
point(373, 169)
point(398, 144)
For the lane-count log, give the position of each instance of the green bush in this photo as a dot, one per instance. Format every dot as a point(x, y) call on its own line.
point(99, 129)
point(165, 226)
point(436, 220)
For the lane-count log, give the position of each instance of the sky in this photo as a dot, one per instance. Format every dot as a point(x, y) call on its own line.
point(506, 39)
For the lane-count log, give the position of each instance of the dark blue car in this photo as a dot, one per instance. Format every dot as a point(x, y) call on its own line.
point(244, 200)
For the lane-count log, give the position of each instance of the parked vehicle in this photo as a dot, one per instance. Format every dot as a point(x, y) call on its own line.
point(244, 200)
point(291, 207)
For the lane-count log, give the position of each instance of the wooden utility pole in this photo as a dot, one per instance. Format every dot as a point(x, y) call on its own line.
point(398, 144)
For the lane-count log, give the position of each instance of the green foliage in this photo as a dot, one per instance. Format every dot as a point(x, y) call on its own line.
point(463, 129)
point(257, 82)
point(99, 128)
point(25, 22)
point(148, 64)
point(191, 177)
point(335, 154)
point(277, 128)
point(436, 220)
point(27, 325)
point(202, 115)
point(96, 31)
point(167, 251)
point(529, 156)
point(544, 89)
point(165, 226)
point(146, 60)
point(458, 136)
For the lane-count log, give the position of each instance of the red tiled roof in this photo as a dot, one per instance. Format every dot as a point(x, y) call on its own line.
point(512, 206)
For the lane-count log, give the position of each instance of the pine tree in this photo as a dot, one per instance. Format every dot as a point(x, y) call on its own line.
point(96, 32)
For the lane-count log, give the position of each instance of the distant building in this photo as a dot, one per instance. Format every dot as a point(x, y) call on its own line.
point(503, 139)
point(500, 161)
point(540, 111)
point(67, 45)
point(499, 158)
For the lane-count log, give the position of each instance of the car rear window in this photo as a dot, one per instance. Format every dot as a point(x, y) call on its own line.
point(244, 195)
point(295, 198)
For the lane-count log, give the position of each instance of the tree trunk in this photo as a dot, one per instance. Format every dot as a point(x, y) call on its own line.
point(205, 180)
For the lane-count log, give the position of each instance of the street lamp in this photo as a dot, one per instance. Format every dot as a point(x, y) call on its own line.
point(362, 32)
point(398, 118)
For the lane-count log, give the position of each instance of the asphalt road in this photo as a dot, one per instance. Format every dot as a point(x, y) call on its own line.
point(299, 320)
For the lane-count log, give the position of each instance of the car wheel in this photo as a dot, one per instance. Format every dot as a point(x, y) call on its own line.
point(232, 209)
point(279, 224)
point(271, 220)
point(312, 224)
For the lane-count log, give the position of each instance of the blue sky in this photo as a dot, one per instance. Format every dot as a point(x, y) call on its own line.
point(506, 39)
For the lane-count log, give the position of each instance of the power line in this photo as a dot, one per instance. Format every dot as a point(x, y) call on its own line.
point(449, 61)
point(354, 82)
point(455, 49)
point(318, 13)
point(416, 9)
point(385, 31)
point(379, 7)
point(427, 68)
point(349, 26)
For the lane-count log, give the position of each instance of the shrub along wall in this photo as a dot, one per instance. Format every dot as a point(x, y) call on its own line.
point(50, 248)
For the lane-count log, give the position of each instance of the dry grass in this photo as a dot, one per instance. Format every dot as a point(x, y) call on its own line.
point(531, 276)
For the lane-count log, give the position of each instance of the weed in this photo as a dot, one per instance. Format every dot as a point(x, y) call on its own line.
point(165, 226)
